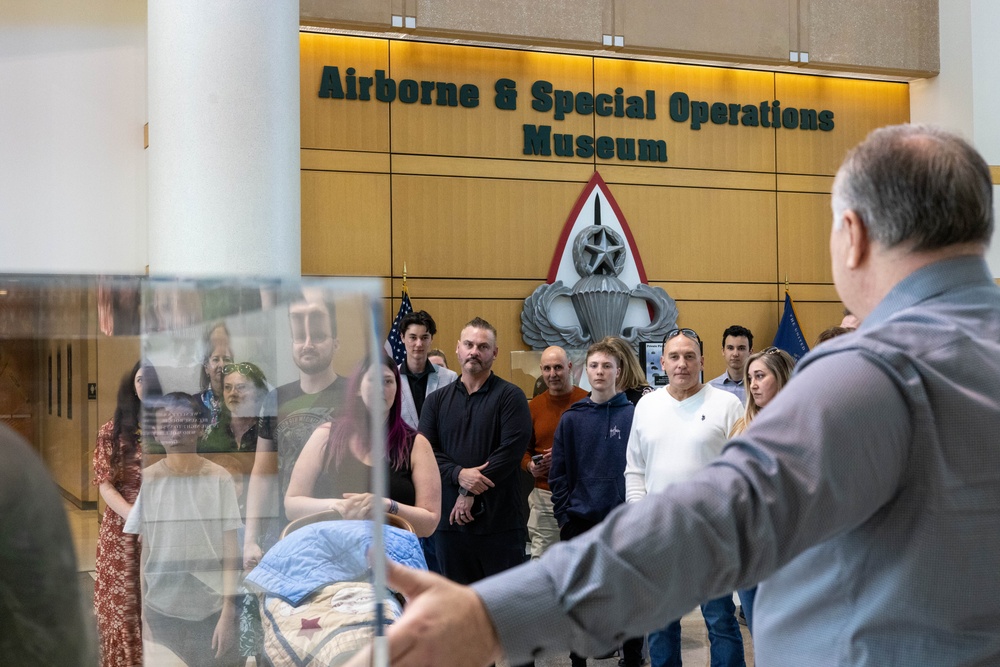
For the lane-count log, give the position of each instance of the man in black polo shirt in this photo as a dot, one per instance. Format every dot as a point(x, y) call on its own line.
point(479, 428)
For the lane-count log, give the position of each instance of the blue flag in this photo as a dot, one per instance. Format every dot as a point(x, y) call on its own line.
point(789, 337)
point(394, 342)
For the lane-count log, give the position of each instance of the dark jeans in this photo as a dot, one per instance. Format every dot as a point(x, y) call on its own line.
point(466, 558)
point(631, 648)
point(191, 641)
point(724, 636)
point(430, 553)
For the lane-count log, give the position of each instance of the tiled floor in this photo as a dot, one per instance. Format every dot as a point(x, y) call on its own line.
point(83, 524)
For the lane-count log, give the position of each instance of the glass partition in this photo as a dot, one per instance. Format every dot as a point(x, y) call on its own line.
point(238, 427)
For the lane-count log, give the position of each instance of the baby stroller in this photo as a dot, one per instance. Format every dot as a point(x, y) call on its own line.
point(314, 588)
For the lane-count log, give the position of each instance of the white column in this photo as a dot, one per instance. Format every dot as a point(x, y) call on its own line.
point(966, 95)
point(223, 157)
point(72, 107)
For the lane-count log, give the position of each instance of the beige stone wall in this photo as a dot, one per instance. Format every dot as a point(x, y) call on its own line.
point(894, 37)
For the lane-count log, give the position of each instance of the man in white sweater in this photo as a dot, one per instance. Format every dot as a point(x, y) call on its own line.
point(676, 431)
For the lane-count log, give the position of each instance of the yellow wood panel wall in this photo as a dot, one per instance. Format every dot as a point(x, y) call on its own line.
point(477, 227)
point(803, 237)
point(69, 465)
point(701, 233)
point(732, 214)
point(345, 224)
point(451, 315)
point(711, 318)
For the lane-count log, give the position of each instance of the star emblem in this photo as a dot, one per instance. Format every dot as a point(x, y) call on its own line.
point(604, 250)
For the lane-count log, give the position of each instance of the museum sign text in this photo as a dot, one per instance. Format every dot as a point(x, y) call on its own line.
point(557, 105)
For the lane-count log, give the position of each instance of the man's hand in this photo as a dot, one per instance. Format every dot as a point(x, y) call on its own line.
point(473, 480)
point(444, 624)
point(462, 512)
point(541, 469)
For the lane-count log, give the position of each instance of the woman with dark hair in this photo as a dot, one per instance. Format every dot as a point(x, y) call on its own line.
point(334, 469)
point(118, 474)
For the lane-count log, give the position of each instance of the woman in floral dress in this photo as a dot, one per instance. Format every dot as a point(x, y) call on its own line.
point(118, 473)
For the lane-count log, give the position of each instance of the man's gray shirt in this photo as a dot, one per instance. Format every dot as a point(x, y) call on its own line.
point(866, 500)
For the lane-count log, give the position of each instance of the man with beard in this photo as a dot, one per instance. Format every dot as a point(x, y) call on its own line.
point(291, 413)
point(479, 428)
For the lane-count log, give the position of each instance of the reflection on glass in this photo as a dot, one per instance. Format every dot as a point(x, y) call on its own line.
point(333, 470)
point(206, 393)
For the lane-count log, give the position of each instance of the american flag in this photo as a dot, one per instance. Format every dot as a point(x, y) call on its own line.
point(394, 342)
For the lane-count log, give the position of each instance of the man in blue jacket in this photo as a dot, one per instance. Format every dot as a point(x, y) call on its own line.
point(587, 477)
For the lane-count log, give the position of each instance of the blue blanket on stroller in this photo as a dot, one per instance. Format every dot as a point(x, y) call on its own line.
point(327, 552)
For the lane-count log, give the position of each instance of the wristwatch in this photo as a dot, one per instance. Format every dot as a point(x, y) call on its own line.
point(462, 491)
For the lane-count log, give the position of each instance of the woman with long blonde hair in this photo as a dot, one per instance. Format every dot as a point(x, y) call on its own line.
point(765, 374)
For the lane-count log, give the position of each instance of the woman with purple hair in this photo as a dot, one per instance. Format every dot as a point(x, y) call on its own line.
point(334, 469)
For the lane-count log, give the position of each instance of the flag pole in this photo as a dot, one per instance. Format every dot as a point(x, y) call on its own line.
point(404, 278)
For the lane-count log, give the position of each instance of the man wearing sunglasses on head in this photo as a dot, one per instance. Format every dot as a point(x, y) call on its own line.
point(677, 430)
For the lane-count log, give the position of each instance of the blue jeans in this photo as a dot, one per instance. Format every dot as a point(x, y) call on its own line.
point(724, 636)
point(746, 601)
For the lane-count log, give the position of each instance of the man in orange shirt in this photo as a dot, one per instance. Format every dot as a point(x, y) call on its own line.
point(546, 409)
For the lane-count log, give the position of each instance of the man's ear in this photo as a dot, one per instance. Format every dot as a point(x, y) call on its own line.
point(860, 244)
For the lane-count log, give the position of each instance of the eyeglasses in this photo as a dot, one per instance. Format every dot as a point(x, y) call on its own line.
point(246, 369)
point(771, 350)
point(690, 333)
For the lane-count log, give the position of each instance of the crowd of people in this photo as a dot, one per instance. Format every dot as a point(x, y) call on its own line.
point(633, 504)
point(862, 503)
point(464, 451)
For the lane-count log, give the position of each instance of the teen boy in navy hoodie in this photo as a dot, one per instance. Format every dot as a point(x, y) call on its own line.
point(587, 477)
